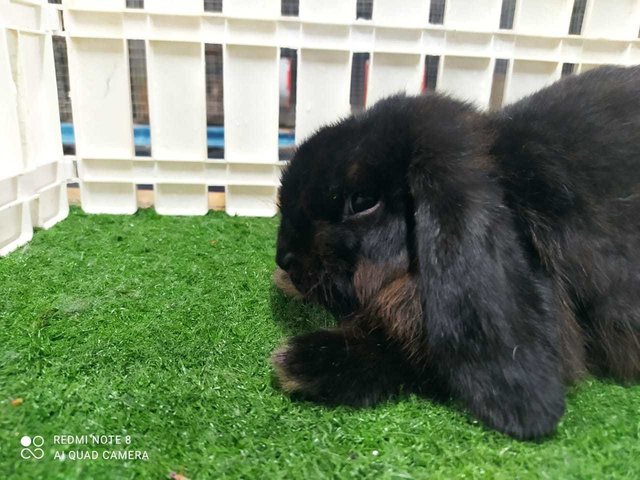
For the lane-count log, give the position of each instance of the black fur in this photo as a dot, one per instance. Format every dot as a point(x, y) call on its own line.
point(501, 262)
point(343, 366)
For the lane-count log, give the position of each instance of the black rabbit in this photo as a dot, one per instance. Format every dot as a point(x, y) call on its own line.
point(489, 257)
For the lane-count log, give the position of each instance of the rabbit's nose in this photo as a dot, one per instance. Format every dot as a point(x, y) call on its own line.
point(286, 261)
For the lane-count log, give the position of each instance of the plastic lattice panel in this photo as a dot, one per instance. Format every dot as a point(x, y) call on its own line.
point(198, 68)
point(33, 175)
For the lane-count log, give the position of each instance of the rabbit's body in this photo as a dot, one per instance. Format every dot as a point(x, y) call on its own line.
point(569, 160)
point(489, 257)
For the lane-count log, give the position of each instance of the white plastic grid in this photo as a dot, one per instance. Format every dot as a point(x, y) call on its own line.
point(33, 174)
point(461, 53)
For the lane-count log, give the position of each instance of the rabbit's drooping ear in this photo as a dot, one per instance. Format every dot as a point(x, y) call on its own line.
point(487, 314)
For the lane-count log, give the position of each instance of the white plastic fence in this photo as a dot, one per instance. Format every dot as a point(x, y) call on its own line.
point(33, 171)
point(33, 175)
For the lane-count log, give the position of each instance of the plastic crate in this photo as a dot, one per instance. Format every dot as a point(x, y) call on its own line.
point(33, 174)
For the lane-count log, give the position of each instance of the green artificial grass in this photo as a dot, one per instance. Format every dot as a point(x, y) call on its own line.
point(160, 328)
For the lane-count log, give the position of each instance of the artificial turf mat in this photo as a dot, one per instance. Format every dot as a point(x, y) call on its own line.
point(160, 328)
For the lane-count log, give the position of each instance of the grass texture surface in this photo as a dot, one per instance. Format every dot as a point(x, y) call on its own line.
point(160, 328)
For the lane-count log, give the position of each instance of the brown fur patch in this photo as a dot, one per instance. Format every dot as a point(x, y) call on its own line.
point(285, 285)
point(617, 354)
point(390, 299)
point(614, 341)
point(572, 344)
point(370, 278)
point(399, 309)
point(353, 173)
point(287, 383)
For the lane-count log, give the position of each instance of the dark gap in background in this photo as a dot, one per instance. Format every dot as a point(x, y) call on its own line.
point(139, 97)
point(213, 5)
point(135, 3)
point(436, 12)
point(507, 14)
point(215, 188)
point(431, 65)
point(61, 62)
point(568, 69)
point(577, 17)
point(359, 78)
point(287, 118)
point(289, 8)
point(497, 84)
point(61, 18)
point(215, 100)
point(364, 9)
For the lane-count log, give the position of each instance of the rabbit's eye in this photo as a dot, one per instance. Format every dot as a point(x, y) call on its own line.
point(360, 203)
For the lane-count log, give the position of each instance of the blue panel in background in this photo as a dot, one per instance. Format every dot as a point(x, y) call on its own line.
point(142, 136)
point(68, 138)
